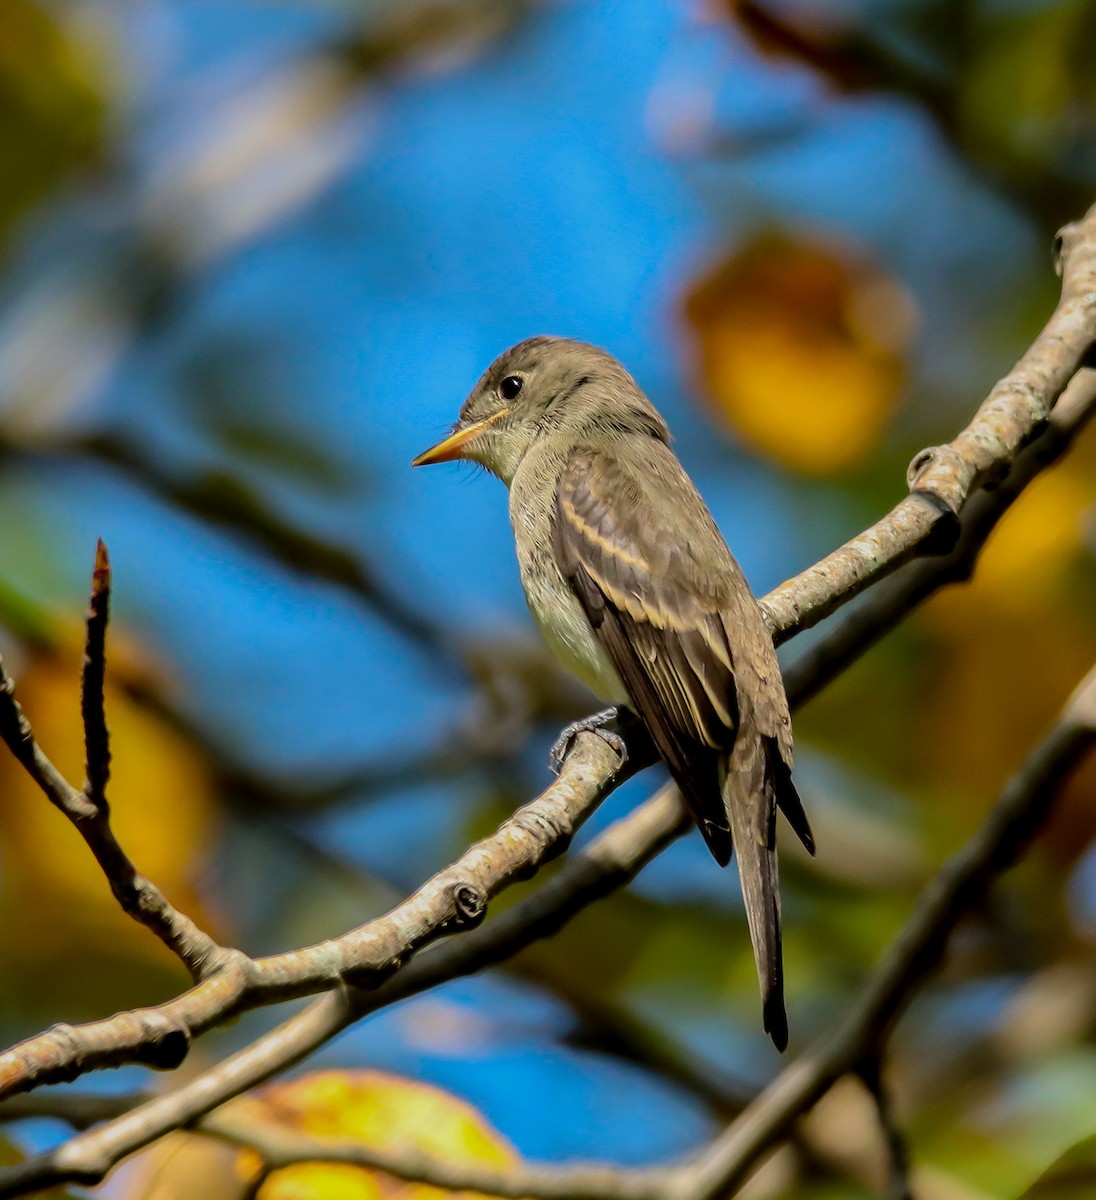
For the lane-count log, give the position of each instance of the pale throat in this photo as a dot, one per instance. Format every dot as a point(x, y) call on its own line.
point(501, 457)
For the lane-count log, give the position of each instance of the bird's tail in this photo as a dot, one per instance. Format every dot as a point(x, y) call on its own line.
point(750, 790)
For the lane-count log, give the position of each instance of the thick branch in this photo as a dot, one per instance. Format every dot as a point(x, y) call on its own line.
point(1010, 827)
point(942, 478)
point(455, 899)
point(719, 1168)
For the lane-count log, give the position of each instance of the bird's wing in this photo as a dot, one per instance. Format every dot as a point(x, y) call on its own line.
point(669, 603)
point(659, 613)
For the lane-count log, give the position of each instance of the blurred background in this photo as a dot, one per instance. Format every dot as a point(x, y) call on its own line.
point(252, 258)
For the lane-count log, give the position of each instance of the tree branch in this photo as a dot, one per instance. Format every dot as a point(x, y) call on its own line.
point(942, 478)
point(1013, 822)
point(609, 861)
point(925, 523)
point(454, 899)
point(89, 812)
point(894, 599)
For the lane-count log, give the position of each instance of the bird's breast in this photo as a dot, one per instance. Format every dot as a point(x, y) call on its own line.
point(555, 608)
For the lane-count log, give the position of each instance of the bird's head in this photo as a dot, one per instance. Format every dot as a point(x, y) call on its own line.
point(545, 387)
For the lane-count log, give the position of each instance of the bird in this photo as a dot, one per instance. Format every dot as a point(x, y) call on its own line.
point(636, 592)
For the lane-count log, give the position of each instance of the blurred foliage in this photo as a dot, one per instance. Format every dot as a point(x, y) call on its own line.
point(381, 1111)
point(60, 907)
point(10, 1154)
point(1071, 1177)
point(801, 351)
point(1010, 85)
point(158, 373)
point(52, 106)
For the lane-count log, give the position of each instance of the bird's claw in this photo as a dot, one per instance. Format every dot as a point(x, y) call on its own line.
point(597, 723)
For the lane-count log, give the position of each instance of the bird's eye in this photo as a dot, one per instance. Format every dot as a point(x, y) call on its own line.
point(511, 386)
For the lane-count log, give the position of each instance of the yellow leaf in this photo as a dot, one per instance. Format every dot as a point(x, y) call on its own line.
point(801, 351)
point(1025, 565)
point(1014, 640)
point(51, 104)
point(382, 1111)
point(63, 922)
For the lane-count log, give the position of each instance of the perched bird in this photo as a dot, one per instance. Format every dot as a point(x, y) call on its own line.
point(636, 592)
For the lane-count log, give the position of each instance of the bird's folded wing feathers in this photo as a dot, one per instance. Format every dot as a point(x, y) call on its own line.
point(659, 614)
point(664, 596)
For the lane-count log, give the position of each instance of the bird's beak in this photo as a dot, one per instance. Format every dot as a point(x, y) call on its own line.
point(452, 447)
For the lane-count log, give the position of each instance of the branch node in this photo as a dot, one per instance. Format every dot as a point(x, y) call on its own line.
point(938, 474)
point(1058, 247)
point(469, 906)
point(166, 1044)
point(67, 1063)
point(920, 461)
point(223, 960)
point(1065, 241)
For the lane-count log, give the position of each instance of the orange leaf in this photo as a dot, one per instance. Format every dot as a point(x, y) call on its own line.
point(801, 351)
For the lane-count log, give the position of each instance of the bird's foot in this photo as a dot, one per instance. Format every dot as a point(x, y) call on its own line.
point(598, 723)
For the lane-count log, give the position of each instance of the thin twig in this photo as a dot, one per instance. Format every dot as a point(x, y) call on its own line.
point(280, 1146)
point(92, 684)
point(898, 1158)
point(89, 812)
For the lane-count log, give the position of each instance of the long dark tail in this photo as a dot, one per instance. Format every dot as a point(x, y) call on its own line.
point(750, 795)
